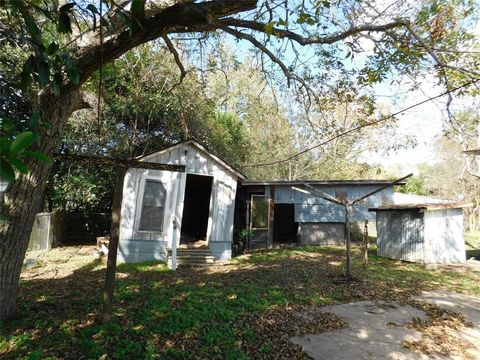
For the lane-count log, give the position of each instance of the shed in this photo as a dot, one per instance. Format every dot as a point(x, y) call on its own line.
point(201, 201)
point(424, 233)
point(277, 213)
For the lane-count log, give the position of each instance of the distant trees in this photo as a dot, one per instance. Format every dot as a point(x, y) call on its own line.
point(303, 44)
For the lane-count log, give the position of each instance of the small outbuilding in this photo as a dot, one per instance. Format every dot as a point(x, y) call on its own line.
point(196, 206)
point(423, 233)
point(277, 213)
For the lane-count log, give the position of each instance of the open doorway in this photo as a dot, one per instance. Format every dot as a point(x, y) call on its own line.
point(284, 226)
point(196, 208)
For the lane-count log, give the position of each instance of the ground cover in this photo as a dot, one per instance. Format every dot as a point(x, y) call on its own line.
point(240, 310)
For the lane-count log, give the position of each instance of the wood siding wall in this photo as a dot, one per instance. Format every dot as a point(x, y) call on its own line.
point(400, 235)
point(137, 246)
point(430, 237)
point(311, 209)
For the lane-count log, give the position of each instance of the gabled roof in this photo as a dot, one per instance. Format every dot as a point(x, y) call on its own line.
point(196, 144)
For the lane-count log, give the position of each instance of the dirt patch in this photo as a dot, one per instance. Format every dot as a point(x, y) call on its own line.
point(57, 263)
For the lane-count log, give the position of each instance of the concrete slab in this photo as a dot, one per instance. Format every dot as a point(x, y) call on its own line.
point(377, 330)
point(469, 306)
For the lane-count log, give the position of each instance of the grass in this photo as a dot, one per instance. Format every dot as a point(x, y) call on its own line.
point(472, 242)
point(236, 311)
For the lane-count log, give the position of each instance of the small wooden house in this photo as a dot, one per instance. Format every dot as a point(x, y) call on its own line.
point(277, 213)
point(200, 201)
point(423, 233)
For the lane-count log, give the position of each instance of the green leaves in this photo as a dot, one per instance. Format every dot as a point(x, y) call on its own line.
point(21, 142)
point(64, 22)
point(14, 145)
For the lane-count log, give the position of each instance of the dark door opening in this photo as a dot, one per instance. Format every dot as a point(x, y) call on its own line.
point(196, 208)
point(284, 226)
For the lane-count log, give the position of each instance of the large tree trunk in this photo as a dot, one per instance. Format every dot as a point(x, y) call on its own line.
point(23, 198)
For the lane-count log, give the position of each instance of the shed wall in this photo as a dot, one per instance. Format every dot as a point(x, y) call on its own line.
point(137, 246)
point(444, 240)
point(322, 234)
point(312, 209)
point(400, 235)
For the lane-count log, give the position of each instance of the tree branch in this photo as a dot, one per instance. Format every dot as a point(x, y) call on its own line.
point(178, 61)
point(302, 40)
point(181, 17)
point(289, 75)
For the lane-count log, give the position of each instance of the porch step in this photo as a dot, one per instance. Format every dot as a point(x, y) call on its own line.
point(192, 257)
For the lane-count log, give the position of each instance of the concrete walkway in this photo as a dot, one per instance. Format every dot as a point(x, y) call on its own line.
point(376, 329)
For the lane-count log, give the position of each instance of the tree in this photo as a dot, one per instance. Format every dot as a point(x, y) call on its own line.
point(61, 57)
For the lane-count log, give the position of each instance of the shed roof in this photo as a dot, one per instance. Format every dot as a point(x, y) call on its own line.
point(202, 148)
point(426, 206)
point(320, 182)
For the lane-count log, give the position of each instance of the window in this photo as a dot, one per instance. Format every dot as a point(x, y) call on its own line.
point(260, 211)
point(153, 206)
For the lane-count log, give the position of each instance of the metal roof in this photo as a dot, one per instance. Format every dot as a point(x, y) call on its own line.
point(319, 182)
point(430, 206)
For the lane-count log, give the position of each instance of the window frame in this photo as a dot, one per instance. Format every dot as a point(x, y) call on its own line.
point(268, 211)
point(139, 212)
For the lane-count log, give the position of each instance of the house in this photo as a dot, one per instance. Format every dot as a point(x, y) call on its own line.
point(428, 233)
point(162, 209)
point(277, 213)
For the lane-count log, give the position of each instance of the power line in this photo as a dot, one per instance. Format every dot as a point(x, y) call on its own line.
point(359, 127)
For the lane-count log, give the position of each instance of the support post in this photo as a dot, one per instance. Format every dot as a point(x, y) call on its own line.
point(347, 240)
point(365, 245)
point(174, 244)
point(113, 245)
point(271, 214)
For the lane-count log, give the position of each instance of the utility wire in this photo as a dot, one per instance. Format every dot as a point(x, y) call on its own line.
point(359, 127)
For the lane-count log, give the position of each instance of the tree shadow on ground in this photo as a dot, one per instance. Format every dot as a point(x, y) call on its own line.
point(193, 312)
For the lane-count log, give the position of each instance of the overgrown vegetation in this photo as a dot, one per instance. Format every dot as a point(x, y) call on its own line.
point(241, 310)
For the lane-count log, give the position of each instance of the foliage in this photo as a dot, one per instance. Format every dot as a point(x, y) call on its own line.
point(199, 312)
point(415, 185)
point(45, 63)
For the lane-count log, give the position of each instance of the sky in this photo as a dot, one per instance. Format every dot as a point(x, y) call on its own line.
point(424, 123)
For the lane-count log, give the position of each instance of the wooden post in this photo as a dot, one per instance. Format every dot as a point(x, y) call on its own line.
point(271, 214)
point(113, 245)
point(174, 244)
point(347, 240)
point(365, 245)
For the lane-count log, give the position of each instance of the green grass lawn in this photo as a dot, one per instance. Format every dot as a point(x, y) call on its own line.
point(236, 311)
point(472, 242)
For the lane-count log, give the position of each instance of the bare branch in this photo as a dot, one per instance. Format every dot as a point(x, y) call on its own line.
point(302, 40)
point(289, 75)
point(178, 61)
point(434, 56)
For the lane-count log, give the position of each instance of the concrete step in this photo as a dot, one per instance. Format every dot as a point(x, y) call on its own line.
point(192, 260)
point(200, 252)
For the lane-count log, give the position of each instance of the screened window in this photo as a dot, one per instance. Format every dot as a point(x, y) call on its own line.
point(153, 206)
point(260, 211)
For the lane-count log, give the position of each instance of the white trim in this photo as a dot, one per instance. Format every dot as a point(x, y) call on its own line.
point(199, 147)
point(139, 204)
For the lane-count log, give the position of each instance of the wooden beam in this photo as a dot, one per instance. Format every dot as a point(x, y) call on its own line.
point(380, 189)
point(110, 161)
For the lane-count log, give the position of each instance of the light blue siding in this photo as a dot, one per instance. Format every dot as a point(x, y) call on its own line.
point(311, 209)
